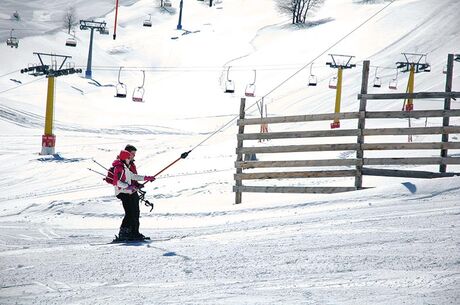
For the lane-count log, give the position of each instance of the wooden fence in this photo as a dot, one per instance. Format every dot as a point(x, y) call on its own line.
point(359, 163)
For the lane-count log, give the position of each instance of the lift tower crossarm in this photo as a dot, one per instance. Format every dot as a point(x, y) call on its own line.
point(345, 65)
point(416, 63)
point(52, 55)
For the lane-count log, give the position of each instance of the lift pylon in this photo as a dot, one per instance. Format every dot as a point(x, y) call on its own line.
point(92, 25)
point(413, 64)
point(339, 62)
point(51, 72)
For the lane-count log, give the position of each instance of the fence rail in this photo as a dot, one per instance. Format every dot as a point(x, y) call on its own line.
point(359, 164)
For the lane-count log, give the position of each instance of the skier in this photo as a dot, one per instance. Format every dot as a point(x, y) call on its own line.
point(125, 179)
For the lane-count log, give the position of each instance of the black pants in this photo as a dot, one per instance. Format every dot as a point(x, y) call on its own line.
point(132, 213)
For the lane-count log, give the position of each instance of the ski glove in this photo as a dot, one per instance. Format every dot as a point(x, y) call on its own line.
point(149, 178)
point(132, 188)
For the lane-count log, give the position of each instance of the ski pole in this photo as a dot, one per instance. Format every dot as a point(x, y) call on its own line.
point(99, 164)
point(105, 179)
point(96, 172)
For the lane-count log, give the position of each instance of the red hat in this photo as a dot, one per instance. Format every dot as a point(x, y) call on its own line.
point(124, 154)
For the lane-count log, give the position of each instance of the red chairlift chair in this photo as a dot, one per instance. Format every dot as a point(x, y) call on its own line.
point(393, 84)
point(333, 82)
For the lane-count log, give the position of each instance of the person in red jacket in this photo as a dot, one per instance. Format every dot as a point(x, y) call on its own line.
point(126, 186)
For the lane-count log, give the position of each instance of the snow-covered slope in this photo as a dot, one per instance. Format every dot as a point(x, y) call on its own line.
point(395, 244)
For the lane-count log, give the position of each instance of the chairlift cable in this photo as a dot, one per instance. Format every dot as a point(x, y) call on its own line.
point(6, 74)
point(270, 92)
point(294, 74)
point(36, 79)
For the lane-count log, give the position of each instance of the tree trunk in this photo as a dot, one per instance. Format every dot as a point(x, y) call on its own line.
point(308, 6)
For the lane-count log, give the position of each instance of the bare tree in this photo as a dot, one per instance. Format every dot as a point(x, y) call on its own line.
point(70, 19)
point(298, 9)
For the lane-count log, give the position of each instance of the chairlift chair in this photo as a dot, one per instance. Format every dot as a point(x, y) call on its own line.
point(312, 80)
point(426, 66)
point(167, 3)
point(377, 81)
point(71, 41)
point(251, 88)
point(229, 85)
point(148, 23)
point(394, 82)
point(12, 41)
point(121, 89)
point(333, 82)
point(138, 93)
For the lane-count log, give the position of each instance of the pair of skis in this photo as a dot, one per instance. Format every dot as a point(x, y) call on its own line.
point(117, 240)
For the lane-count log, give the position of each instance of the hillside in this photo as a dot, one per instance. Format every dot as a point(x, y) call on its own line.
point(396, 243)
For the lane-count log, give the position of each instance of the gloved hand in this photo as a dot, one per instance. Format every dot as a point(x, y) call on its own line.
point(149, 178)
point(132, 187)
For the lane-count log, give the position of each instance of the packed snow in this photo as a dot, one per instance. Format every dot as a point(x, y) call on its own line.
point(396, 242)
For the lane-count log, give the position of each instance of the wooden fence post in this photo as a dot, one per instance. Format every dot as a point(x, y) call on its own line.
point(445, 119)
point(361, 126)
point(239, 155)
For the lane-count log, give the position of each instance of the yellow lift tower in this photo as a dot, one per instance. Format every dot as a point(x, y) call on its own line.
point(51, 72)
point(339, 62)
point(415, 63)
